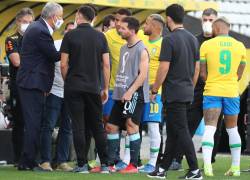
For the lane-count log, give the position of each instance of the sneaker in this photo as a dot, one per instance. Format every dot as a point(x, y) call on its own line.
point(92, 164)
point(191, 175)
point(129, 169)
point(175, 166)
point(208, 170)
point(104, 169)
point(98, 169)
point(157, 174)
point(120, 166)
point(64, 167)
point(46, 167)
point(148, 168)
point(84, 169)
point(233, 171)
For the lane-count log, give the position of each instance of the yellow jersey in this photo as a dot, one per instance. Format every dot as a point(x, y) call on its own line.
point(115, 42)
point(154, 50)
point(223, 55)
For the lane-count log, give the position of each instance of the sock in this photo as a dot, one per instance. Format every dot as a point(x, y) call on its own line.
point(235, 145)
point(113, 146)
point(155, 141)
point(208, 143)
point(195, 171)
point(135, 143)
point(126, 158)
point(161, 170)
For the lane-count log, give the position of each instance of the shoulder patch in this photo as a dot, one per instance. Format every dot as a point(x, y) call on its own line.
point(9, 46)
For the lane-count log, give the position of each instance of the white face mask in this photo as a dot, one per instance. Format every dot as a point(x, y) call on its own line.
point(58, 23)
point(24, 27)
point(207, 27)
point(92, 24)
point(75, 24)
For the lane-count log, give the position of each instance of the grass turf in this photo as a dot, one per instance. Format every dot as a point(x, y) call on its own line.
point(220, 167)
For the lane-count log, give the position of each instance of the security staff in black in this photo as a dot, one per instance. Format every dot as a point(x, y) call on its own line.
point(13, 46)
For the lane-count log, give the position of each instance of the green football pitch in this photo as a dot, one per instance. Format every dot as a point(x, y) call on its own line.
point(222, 164)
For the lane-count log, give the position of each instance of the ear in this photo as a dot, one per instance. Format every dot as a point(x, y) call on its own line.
point(168, 19)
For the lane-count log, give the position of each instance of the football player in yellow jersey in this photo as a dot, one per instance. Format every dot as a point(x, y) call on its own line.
point(222, 63)
point(152, 113)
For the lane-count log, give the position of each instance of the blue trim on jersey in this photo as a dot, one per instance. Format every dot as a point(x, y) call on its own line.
point(229, 106)
point(152, 111)
point(107, 107)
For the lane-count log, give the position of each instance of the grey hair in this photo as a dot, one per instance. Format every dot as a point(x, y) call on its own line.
point(50, 9)
point(158, 18)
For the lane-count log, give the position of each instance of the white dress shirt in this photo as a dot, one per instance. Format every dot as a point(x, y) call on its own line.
point(58, 83)
point(49, 27)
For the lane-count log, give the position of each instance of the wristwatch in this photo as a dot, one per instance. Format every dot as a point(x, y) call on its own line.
point(154, 92)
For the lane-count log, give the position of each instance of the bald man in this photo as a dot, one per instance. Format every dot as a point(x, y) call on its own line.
point(152, 111)
point(222, 63)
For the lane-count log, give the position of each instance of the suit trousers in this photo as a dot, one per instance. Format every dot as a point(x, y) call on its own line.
point(33, 104)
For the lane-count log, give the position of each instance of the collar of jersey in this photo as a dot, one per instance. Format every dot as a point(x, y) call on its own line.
point(153, 41)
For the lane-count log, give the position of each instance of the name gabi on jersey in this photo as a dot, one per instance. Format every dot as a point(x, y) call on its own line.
point(225, 44)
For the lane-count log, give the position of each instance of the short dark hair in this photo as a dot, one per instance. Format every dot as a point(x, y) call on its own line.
point(94, 8)
point(133, 23)
point(24, 12)
point(209, 12)
point(107, 19)
point(87, 12)
point(123, 11)
point(69, 23)
point(176, 12)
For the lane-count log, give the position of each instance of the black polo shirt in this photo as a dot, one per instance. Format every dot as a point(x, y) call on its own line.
point(199, 88)
point(13, 44)
point(181, 49)
point(85, 47)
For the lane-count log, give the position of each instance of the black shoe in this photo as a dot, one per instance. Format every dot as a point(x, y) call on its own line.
point(191, 175)
point(22, 167)
point(157, 174)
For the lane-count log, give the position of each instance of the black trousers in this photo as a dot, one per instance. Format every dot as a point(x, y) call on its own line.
point(17, 123)
point(33, 104)
point(194, 117)
point(85, 111)
point(178, 133)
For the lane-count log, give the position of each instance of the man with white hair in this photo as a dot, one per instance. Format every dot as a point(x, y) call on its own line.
point(35, 77)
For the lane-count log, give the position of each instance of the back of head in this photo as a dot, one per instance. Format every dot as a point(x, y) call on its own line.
point(176, 13)
point(87, 12)
point(133, 23)
point(106, 20)
point(223, 21)
point(123, 11)
point(221, 26)
point(50, 9)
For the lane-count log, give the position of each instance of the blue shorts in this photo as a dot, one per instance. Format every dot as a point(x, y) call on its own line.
point(107, 107)
point(229, 106)
point(152, 111)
